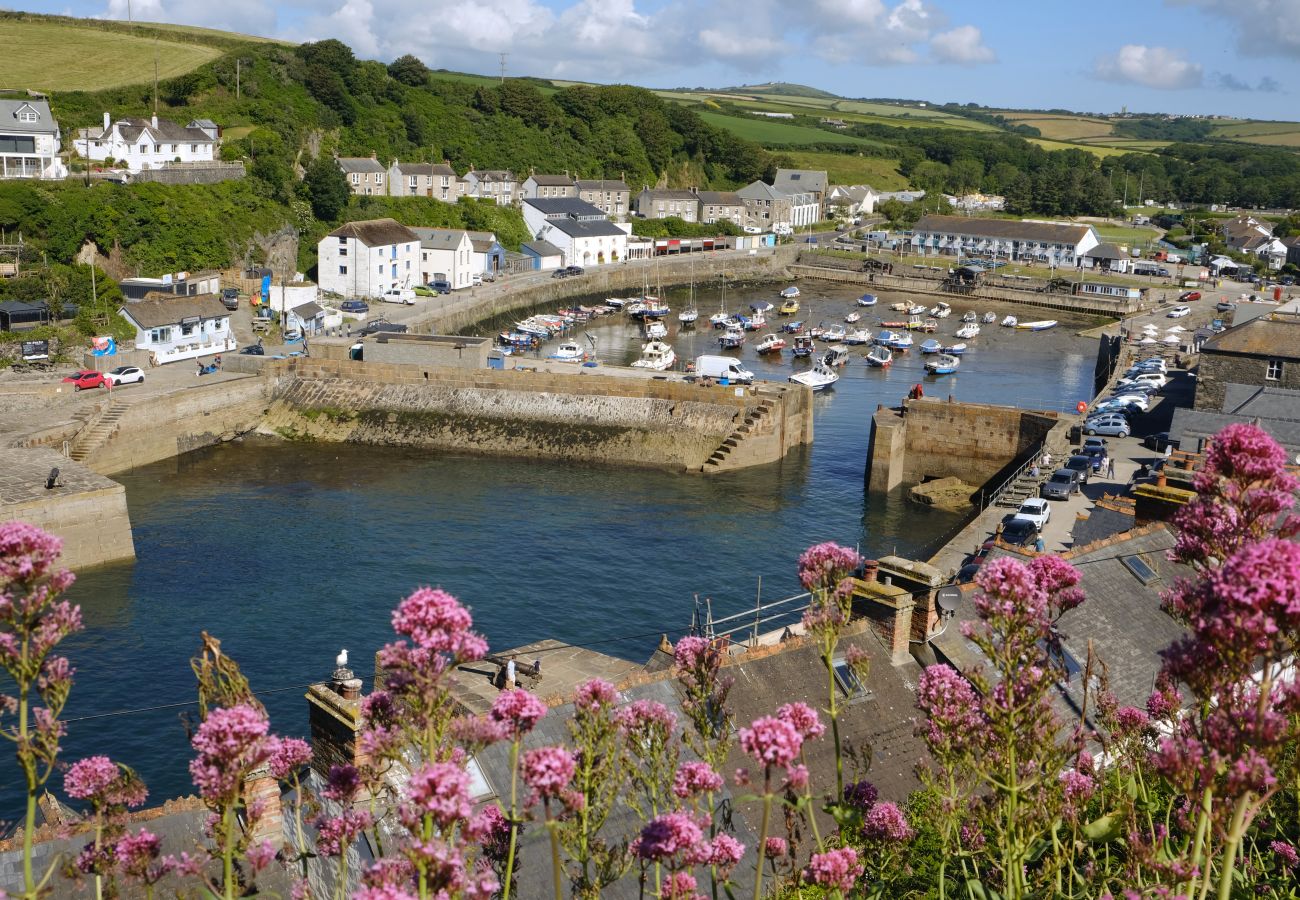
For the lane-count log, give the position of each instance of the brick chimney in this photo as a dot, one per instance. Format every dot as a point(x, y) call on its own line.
point(922, 581)
point(265, 813)
point(889, 609)
point(334, 717)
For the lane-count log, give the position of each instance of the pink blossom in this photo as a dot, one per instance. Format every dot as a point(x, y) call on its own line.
point(343, 782)
point(796, 779)
point(770, 741)
point(383, 892)
point(491, 830)
point(1246, 452)
point(666, 836)
point(90, 777)
point(437, 622)
point(594, 694)
point(692, 652)
point(646, 715)
point(827, 565)
point(287, 756)
point(548, 771)
point(1078, 788)
point(951, 707)
point(441, 791)
point(694, 778)
point(231, 742)
point(886, 822)
point(835, 869)
point(861, 795)
point(1286, 854)
point(775, 847)
point(1131, 720)
point(394, 871)
point(517, 711)
point(482, 883)
point(478, 731)
point(680, 886)
point(28, 554)
point(804, 719)
point(138, 855)
point(335, 834)
point(260, 855)
point(725, 852)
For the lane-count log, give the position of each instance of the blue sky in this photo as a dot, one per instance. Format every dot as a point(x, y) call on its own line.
point(1234, 57)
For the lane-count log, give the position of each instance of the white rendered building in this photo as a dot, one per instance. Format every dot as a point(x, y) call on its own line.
point(365, 259)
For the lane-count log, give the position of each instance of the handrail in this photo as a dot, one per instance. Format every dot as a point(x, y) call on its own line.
point(988, 498)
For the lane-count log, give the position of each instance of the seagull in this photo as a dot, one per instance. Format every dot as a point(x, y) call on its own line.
point(342, 659)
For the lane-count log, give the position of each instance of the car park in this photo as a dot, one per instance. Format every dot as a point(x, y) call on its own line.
point(1017, 532)
point(1036, 510)
point(1108, 424)
point(1179, 312)
point(404, 296)
point(354, 307)
point(1061, 485)
point(1189, 296)
point(124, 375)
point(85, 379)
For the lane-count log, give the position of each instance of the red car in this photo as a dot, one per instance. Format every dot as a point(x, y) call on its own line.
point(85, 379)
point(1189, 296)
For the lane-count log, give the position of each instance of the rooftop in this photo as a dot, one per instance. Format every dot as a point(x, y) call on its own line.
point(1270, 335)
point(15, 116)
point(551, 180)
point(360, 164)
point(666, 194)
point(376, 232)
point(790, 180)
point(601, 184)
point(565, 206)
point(1004, 228)
point(440, 238)
point(155, 312)
point(542, 248)
point(720, 198)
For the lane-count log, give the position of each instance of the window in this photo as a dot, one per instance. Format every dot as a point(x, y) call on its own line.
point(160, 335)
point(848, 680)
point(356, 178)
point(1274, 372)
point(194, 148)
point(1140, 569)
point(343, 270)
point(343, 251)
point(28, 116)
point(187, 330)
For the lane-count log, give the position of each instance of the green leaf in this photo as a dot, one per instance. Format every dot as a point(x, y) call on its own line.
point(1104, 829)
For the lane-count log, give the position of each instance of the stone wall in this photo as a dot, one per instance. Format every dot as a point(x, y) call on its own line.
point(1217, 370)
point(195, 173)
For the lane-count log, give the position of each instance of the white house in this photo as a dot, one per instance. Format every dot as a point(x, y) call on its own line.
point(548, 186)
point(365, 259)
point(805, 209)
point(580, 231)
point(446, 254)
point(177, 328)
point(149, 143)
point(1049, 242)
point(495, 184)
point(853, 200)
point(29, 141)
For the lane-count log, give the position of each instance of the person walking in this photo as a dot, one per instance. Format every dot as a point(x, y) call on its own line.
point(1110, 468)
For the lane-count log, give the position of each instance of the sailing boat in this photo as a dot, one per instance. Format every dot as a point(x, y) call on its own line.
point(719, 319)
point(690, 313)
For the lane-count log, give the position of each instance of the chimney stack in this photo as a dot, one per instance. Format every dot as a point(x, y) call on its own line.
point(153, 120)
point(334, 717)
point(889, 609)
point(265, 812)
point(922, 581)
point(108, 121)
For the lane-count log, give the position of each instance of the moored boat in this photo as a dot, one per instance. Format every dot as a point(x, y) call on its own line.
point(887, 337)
point(867, 300)
point(1009, 322)
point(732, 337)
point(803, 346)
point(756, 321)
point(899, 307)
point(835, 356)
point(833, 333)
point(879, 357)
point(902, 342)
point(970, 316)
point(989, 318)
point(654, 329)
point(793, 327)
point(770, 343)
point(941, 310)
point(688, 316)
point(943, 364)
point(656, 355)
point(917, 309)
point(853, 317)
point(931, 346)
point(569, 351)
point(789, 293)
point(955, 350)
point(966, 332)
point(818, 378)
point(1037, 326)
point(790, 307)
point(858, 336)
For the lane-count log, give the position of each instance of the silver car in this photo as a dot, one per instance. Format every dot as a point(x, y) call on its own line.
point(1108, 424)
point(1061, 485)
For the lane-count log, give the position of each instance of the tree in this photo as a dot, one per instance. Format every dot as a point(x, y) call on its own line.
point(327, 189)
point(409, 71)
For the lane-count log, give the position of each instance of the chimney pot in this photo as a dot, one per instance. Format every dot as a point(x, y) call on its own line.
point(870, 569)
point(153, 120)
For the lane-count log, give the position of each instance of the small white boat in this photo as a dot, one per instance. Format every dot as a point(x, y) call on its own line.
point(719, 319)
point(902, 342)
point(790, 293)
point(955, 350)
point(988, 318)
point(887, 337)
point(853, 317)
point(966, 332)
point(943, 364)
point(818, 378)
point(879, 357)
point(917, 309)
point(771, 343)
point(688, 316)
point(732, 338)
point(654, 329)
point(970, 316)
point(941, 310)
point(656, 355)
point(931, 346)
point(900, 306)
point(1009, 322)
point(615, 302)
point(833, 333)
point(858, 336)
point(756, 321)
point(867, 300)
point(803, 346)
point(1037, 326)
point(835, 356)
point(568, 352)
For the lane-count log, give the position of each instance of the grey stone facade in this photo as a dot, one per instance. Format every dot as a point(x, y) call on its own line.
point(1264, 352)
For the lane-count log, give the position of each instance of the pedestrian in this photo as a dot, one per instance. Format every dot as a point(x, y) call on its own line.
point(1110, 468)
point(1047, 460)
point(1039, 546)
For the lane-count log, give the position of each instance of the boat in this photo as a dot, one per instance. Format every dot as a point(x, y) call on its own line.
point(656, 355)
point(518, 340)
point(853, 317)
point(943, 364)
point(818, 330)
point(740, 321)
point(790, 307)
point(654, 329)
point(789, 293)
point(803, 346)
point(833, 333)
point(761, 306)
point(615, 302)
point(858, 336)
point(568, 352)
point(1037, 326)
point(835, 356)
point(931, 346)
point(899, 307)
point(756, 321)
point(651, 308)
point(818, 378)
point(917, 309)
point(902, 342)
point(989, 318)
point(1009, 322)
point(941, 310)
point(887, 337)
point(955, 350)
point(966, 332)
point(533, 327)
point(970, 316)
point(720, 318)
point(732, 338)
point(771, 343)
point(867, 300)
point(879, 357)
point(793, 327)
point(688, 315)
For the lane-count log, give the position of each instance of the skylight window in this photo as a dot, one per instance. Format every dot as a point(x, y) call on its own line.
point(1140, 569)
point(848, 680)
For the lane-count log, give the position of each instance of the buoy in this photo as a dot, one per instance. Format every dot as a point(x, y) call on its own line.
point(1081, 407)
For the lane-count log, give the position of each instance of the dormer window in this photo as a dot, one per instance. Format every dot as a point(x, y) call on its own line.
point(28, 115)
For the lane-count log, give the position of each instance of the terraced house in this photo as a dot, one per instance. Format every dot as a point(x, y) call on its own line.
point(1048, 242)
point(655, 203)
point(721, 206)
point(610, 195)
point(547, 186)
point(365, 175)
point(365, 259)
point(436, 180)
point(494, 184)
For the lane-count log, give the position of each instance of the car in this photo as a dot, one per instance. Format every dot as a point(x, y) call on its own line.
point(753, 229)
point(1162, 272)
point(1017, 532)
point(405, 296)
point(1153, 379)
point(124, 375)
point(1036, 510)
point(1080, 464)
point(1134, 398)
point(1225, 306)
point(810, 240)
point(562, 272)
point(1098, 455)
point(230, 298)
point(85, 379)
point(1287, 280)
point(1061, 485)
point(354, 307)
point(1189, 296)
point(476, 279)
point(253, 350)
point(574, 270)
point(1156, 362)
point(1090, 442)
point(1158, 441)
point(489, 277)
point(379, 325)
point(1108, 424)
point(1178, 312)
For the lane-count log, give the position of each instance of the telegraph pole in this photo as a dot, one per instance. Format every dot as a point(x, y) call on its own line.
point(503, 67)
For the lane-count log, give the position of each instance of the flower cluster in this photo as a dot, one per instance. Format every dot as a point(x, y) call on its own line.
point(771, 741)
point(440, 791)
point(885, 823)
point(516, 711)
point(835, 870)
point(230, 743)
point(695, 778)
point(437, 623)
point(548, 771)
point(827, 567)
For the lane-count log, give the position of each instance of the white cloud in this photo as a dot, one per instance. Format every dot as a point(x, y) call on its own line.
point(229, 15)
point(1153, 67)
point(1264, 27)
point(963, 44)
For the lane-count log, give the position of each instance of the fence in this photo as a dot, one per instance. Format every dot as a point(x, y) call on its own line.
point(704, 625)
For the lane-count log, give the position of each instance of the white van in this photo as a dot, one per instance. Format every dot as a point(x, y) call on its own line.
point(720, 367)
point(401, 295)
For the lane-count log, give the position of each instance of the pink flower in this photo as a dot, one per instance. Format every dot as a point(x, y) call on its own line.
point(804, 719)
point(951, 707)
point(261, 855)
point(725, 853)
point(343, 783)
point(646, 715)
point(1078, 788)
point(335, 834)
point(796, 779)
point(885, 822)
point(548, 771)
point(835, 869)
point(594, 694)
point(491, 830)
point(1245, 452)
point(1131, 720)
point(287, 756)
point(825, 566)
point(775, 847)
point(691, 652)
point(138, 855)
point(440, 790)
point(772, 742)
point(28, 554)
point(90, 777)
point(231, 742)
point(478, 731)
point(437, 622)
point(517, 711)
point(694, 778)
point(861, 795)
point(680, 886)
point(383, 892)
point(666, 836)
point(1286, 854)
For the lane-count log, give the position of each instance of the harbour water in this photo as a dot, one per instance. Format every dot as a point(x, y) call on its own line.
point(290, 551)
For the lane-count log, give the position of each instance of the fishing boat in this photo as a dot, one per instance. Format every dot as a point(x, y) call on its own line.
point(966, 332)
point(989, 318)
point(1037, 326)
point(867, 300)
point(941, 310)
point(1009, 322)
point(803, 346)
point(818, 378)
point(835, 356)
point(732, 337)
point(887, 337)
point(893, 324)
point(761, 306)
point(853, 317)
point(970, 316)
point(533, 327)
point(879, 357)
point(756, 321)
point(739, 320)
point(656, 355)
point(818, 331)
point(931, 346)
point(568, 352)
point(518, 340)
point(790, 307)
point(917, 309)
point(789, 293)
point(688, 315)
point(902, 342)
point(654, 329)
point(793, 327)
point(899, 307)
point(833, 333)
point(858, 336)
point(771, 343)
point(651, 308)
point(955, 350)
point(943, 364)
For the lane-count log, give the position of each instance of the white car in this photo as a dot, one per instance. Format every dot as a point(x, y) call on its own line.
point(1141, 401)
point(124, 375)
point(1036, 510)
point(1178, 312)
point(753, 229)
point(476, 279)
point(405, 296)
point(1155, 379)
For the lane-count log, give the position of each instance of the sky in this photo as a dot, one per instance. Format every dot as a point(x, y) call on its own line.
point(1226, 57)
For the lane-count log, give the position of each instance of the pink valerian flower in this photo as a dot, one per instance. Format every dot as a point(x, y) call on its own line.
point(886, 822)
point(1248, 453)
point(231, 742)
point(477, 732)
point(260, 855)
point(491, 830)
point(481, 883)
point(695, 778)
point(1286, 854)
point(335, 834)
point(28, 554)
point(393, 871)
point(771, 741)
point(517, 711)
point(796, 779)
point(835, 869)
point(692, 652)
point(548, 771)
point(725, 852)
point(594, 694)
point(775, 847)
point(288, 755)
point(90, 777)
point(138, 855)
point(1132, 721)
point(342, 783)
point(436, 622)
point(804, 719)
point(680, 886)
point(441, 791)
point(827, 566)
point(666, 836)
point(1078, 788)
point(383, 892)
point(953, 718)
point(646, 715)
point(861, 795)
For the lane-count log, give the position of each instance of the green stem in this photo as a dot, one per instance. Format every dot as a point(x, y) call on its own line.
point(552, 830)
point(1200, 854)
point(514, 826)
point(228, 854)
point(99, 839)
point(29, 828)
point(762, 834)
point(1230, 847)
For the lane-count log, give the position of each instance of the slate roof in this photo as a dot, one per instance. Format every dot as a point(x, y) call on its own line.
point(577, 229)
point(665, 194)
point(131, 127)
point(551, 180)
point(10, 123)
point(601, 184)
point(482, 241)
point(760, 190)
point(1003, 228)
point(1108, 516)
point(1194, 427)
point(492, 175)
point(440, 238)
point(800, 180)
point(542, 248)
point(415, 168)
point(308, 310)
point(1105, 251)
point(720, 198)
point(377, 232)
point(155, 312)
point(364, 165)
point(564, 206)
point(1264, 336)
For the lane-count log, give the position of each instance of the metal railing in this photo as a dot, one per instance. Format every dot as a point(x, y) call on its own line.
point(753, 621)
point(989, 498)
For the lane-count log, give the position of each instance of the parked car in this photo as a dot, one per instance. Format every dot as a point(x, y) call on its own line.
point(1036, 510)
point(1225, 306)
point(1158, 441)
point(379, 325)
point(1061, 485)
point(86, 378)
point(441, 286)
point(1178, 312)
point(1098, 456)
point(1155, 379)
point(230, 298)
point(1108, 424)
point(354, 307)
point(753, 229)
point(1134, 398)
point(1287, 280)
point(1090, 442)
point(574, 270)
point(1155, 362)
point(253, 349)
point(1017, 532)
point(1189, 296)
point(1115, 408)
point(1080, 464)
point(124, 375)
point(404, 296)
point(562, 272)
point(476, 279)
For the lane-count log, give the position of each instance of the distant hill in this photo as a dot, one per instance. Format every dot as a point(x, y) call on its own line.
point(780, 89)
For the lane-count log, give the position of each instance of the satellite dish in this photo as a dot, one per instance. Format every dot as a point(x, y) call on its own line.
point(1297, 460)
point(948, 598)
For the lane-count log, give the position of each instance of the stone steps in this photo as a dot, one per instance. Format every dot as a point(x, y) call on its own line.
point(734, 441)
point(99, 432)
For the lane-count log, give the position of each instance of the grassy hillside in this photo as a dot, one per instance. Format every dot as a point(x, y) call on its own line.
point(775, 133)
point(783, 89)
point(848, 168)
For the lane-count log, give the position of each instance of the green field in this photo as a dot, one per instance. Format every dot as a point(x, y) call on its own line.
point(844, 168)
point(1064, 128)
point(88, 58)
point(773, 133)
